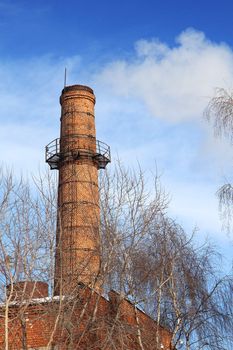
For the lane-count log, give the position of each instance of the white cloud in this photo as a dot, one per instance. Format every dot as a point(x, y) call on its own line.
point(173, 82)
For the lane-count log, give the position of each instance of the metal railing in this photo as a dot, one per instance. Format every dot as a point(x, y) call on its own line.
point(103, 149)
point(52, 149)
point(53, 153)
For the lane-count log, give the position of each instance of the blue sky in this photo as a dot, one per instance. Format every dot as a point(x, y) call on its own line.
point(153, 66)
point(110, 27)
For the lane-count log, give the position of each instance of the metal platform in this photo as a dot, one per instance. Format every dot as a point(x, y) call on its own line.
point(54, 156)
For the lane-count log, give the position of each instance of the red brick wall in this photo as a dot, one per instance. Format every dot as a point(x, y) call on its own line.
point(88, 322)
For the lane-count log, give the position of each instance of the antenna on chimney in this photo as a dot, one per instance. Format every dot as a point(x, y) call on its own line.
point(65, 78)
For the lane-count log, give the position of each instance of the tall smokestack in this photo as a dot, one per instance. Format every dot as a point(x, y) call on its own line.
point(78, 156)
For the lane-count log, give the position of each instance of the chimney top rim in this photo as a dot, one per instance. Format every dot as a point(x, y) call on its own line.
point(77, 88)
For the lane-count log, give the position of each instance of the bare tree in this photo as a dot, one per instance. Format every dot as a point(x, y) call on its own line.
point(219, 113)
point(145, 257)
point(26, 248)
point(159, 268)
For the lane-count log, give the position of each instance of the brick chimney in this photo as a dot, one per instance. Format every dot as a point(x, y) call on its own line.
point(78, 156)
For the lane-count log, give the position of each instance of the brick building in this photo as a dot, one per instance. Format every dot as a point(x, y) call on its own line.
point(78, 315)
point(88, 322)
